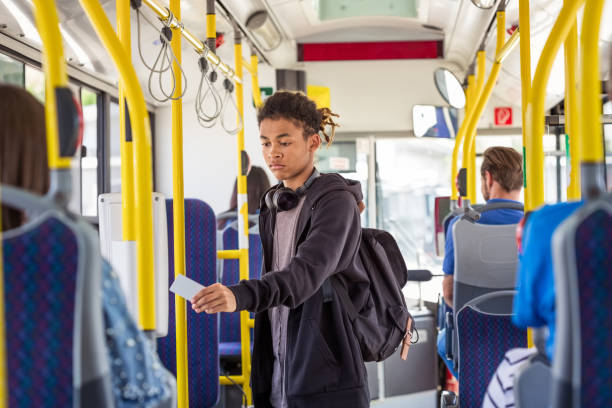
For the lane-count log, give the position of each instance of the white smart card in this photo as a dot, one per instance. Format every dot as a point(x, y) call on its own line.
point(185, 287)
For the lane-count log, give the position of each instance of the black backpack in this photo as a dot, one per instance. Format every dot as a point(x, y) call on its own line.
point(381, 326)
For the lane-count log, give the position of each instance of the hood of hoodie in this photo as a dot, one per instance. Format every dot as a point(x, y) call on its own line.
point(325, 183)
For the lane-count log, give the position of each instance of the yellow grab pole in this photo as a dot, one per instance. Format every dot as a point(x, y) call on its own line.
point(211, 26)
point(525, 52)
point(471, 164)
point(164, 15)
point(534, 115)
point(459, 139)
point(126, 145)
point(55, 76)
point(572, 118)
point(591, 145)
point(243, 217)
point(255, 82)
point(178, 211)
point(501, 51)
point(142, 174)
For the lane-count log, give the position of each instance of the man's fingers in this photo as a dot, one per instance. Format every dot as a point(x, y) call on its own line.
point(206, 291)
point(216, 307)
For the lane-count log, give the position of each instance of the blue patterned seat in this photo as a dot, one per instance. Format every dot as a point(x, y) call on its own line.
point(485, 332)
point(229, 335)
point(202, 331)
point(582, 370)
point(54, 359)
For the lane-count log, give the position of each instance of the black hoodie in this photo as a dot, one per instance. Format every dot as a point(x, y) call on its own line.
point(324, 364)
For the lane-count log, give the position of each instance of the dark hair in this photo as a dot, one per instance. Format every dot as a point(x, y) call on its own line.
point(297, 107)
point(257, 184)
point(23, 147)
point(505, 166)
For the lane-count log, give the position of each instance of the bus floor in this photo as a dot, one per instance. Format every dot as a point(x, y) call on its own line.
point(230, 397)
point(423, 399)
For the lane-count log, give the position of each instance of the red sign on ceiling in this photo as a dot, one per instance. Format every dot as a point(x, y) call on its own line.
point(503, 116)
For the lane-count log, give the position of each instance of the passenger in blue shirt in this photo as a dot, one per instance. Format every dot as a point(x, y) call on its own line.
point(534, 304)
point(502, 180)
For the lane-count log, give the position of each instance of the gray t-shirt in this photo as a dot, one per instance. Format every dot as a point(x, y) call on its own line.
point(283, 251)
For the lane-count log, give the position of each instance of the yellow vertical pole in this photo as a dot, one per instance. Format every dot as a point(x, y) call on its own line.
point(471, 165)
point(142, 175)
point(255, 81)
point(55, 76)
point(525, 53)
point(243, 218)
point(591, 146)
point(534, 114)
point(178, 210)
point(483, 96)
point(572, 118)
point(211, 25)
point(125, 143)
point(459, 138)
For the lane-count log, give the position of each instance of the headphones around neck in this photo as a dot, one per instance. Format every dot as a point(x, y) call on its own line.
point(285, 199)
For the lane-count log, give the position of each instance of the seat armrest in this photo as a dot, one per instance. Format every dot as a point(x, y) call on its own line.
point(449, 335)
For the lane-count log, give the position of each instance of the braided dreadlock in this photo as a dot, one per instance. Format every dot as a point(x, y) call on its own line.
point(297, 107)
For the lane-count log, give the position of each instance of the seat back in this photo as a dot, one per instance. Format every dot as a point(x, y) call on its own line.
point(582, 256)
point(486, 258)
point(202, 332)
point(532, 383)
point(54, 324)
point(230, 275)
point(485, 333)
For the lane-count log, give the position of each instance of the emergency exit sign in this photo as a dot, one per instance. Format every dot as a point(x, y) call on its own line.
point(503, 116)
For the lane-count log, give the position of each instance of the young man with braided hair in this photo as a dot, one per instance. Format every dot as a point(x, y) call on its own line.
point(305, 353)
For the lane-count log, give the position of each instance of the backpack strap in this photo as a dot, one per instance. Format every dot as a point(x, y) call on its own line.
point(474, 214)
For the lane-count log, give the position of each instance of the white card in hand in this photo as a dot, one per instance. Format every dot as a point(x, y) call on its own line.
point(185, 287)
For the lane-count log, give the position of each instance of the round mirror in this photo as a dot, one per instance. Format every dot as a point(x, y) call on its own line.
point(484, 4)
point(449, 87)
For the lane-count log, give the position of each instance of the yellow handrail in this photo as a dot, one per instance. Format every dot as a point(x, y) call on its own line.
point(591, 146)
point(525, 53)
point(243, 218)
point(255, 82)
point(534, 150)
point(55, 76)
point(572, 118)
point(459, 138)
point(502, 50)
point(142, 175)
point(178, 211)
point(128, 225)
point(201, 48)
point(471, 164)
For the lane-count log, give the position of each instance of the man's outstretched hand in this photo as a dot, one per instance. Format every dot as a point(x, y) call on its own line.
point(214, 299)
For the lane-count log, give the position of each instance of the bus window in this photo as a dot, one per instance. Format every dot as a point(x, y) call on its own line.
point(89, 163)
point(11, 71)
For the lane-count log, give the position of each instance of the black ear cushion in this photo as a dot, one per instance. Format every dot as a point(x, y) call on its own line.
point(269, 201)
point(285, 199)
